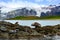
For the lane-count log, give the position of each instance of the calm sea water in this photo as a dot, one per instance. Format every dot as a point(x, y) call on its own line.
point(29, 22)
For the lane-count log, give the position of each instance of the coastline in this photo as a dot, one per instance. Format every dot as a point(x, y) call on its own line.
point(9, 30)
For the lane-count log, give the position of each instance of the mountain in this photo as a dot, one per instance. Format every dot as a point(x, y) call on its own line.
point(51, 10)
point(55, 11)
point(21, 12)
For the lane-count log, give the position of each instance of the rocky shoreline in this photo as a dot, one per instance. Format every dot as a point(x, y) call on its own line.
point(16, 31)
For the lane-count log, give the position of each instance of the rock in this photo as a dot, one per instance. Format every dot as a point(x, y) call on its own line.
point(9, 30)
point(36, 24)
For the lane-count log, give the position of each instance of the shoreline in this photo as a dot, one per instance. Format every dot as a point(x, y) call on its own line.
point(9, 30)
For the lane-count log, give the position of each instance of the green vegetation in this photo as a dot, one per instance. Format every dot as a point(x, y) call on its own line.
point(34, 18)
point(25, 18)
point(50, 17)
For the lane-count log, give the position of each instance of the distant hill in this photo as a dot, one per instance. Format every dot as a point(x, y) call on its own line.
point(25, 18)
point(35, 18)
point(51, 17)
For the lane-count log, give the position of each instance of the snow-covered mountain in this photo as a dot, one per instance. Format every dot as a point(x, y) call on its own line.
point(36, 11)
point(55, 11)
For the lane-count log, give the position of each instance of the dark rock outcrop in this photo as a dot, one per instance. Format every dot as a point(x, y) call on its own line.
point(11, 31)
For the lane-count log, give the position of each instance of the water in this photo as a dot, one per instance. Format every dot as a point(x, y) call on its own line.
point(29, 22)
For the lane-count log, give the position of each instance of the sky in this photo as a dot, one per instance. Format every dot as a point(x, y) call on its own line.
point(8, 5)
point(30, 3)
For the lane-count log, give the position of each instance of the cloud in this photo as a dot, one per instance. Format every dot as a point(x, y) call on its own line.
point(49, 0)
point(23, 3)
point(39, 0)
point(44, 0)
point(17, 4)
point(13, 4)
